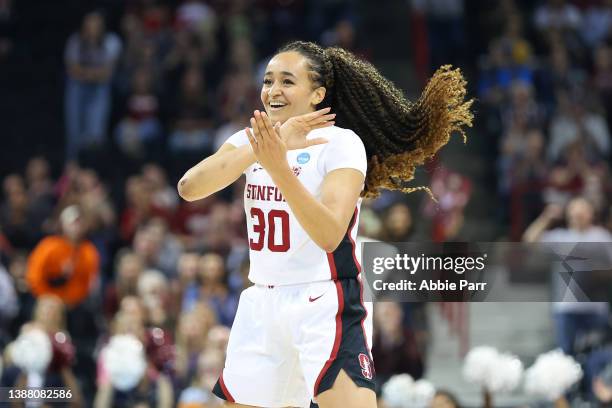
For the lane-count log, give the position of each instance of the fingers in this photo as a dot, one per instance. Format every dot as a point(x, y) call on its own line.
point(261, 118)
point(269, 129)
point(316, 141)
point(258, 137)
point(316, 114)
point(322, 125)
point(252, 140)
point(322, 119)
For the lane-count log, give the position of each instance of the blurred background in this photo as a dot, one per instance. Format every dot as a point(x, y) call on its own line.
point(105, 104)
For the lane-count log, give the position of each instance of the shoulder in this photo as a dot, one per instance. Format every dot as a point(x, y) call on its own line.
point(52, 241)
point(334, 132)
point(556, 235)
point(112, 42)
point(237, 139)
point(338, 136)
point(344, 149)
point(601, 234)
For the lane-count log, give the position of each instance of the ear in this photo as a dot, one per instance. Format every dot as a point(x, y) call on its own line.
point(318, 95)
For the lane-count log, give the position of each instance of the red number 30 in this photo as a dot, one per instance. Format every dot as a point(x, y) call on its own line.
point(260, 229)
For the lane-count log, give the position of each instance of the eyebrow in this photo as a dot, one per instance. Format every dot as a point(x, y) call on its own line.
point(282, 72)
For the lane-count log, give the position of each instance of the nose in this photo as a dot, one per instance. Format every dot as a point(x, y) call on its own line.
point(274, 90)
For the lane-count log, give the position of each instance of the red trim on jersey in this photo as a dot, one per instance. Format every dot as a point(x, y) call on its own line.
point(355, 215)
point(337, 339)
point(365, 337)
point(332, 266)
point(227, 394)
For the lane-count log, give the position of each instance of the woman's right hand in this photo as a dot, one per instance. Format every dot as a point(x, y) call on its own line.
point(294, 131)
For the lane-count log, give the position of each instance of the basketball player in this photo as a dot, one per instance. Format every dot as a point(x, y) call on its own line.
point(302, 332)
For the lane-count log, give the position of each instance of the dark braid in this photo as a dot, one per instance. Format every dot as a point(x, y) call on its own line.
point(398, 135)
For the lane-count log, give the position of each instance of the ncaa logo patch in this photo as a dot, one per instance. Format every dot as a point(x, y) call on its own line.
point(303, 158)
point(366, 366)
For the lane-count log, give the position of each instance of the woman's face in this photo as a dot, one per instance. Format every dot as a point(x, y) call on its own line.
point(93, 26)
point(287, 90)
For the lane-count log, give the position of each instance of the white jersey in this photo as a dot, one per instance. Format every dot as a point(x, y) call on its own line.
point(281, 252)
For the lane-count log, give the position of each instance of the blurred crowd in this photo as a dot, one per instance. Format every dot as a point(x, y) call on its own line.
point(106, 248)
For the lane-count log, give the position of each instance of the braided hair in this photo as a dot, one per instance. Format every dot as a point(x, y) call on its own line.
point(398, 135)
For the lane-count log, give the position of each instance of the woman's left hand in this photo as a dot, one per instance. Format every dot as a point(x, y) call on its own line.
point(269, 148)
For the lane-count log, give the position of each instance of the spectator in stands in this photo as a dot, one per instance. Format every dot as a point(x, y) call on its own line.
point(557, 14)
point(90, 58)
point(49, 316)
point(512, 41)
point(198, 393)
point(128, 271)
point(191, 337)
point(573, 122)
point(192, 221)
point(597, 23)
point(219, 237)
point(186, 288)
point(218, 337)
point(20, 227)
point(559, 76)
point(602, 384)
point(8, 304)
point(446, 31)
point(237, 116)
point(397, 223)
point(140, 207)
point(186, 53)
point(192, 130)
point(154, 292)
point(164, 196)
point(97, 209)
point(395, 348)
point(602, 78)
point(444, 399)
point(574, 174)
point(139, 132)
point(17, 268)
point(65, 265)
point(453, 192)
point(157, 247)
point(214, 289)
point(141, 53)
point(572, 318)
point(237, 91)
point(40, 185)
point(154, 388)
point(498, 72)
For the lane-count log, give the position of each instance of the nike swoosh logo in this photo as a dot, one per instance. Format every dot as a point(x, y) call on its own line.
point(257, 168)
point(311, 299)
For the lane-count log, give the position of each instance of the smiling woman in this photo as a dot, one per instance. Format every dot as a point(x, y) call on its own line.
point(302, 333)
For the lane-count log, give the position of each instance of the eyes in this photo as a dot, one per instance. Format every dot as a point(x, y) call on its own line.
point(268, 82)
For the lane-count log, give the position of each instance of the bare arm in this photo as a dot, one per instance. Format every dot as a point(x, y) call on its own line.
point(72, 384)
point(541, 224)
point(165, 395)
point(215, 172)
point(104, 396)
point(324, 221)
point(228, 163)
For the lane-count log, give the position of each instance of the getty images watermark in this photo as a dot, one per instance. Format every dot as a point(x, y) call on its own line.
point(487, 272)
point(410, 264)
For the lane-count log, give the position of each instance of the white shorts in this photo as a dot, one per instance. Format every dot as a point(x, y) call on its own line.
point(288, 343)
